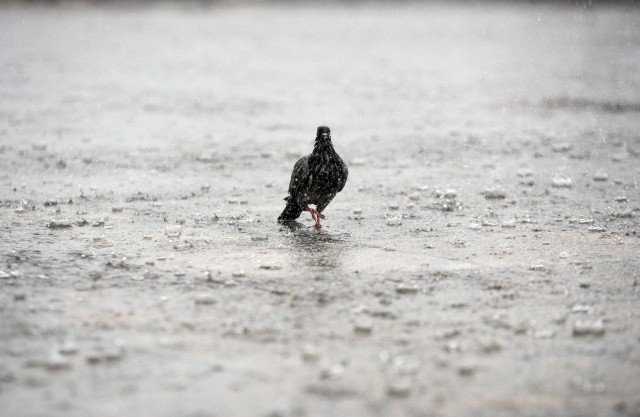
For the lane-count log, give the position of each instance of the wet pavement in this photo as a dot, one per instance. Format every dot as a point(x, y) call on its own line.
point(483, 258)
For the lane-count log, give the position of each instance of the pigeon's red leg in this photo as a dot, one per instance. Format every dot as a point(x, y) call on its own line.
point(313, 213)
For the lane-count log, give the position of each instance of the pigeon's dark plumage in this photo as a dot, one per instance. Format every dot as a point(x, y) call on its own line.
point(316, 179)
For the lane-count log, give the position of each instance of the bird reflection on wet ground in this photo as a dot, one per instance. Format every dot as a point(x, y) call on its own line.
point(314, 249)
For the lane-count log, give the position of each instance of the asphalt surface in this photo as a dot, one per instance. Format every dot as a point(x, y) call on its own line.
point(483, 258)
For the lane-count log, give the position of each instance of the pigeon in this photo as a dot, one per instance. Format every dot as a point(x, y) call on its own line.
point(316, 179)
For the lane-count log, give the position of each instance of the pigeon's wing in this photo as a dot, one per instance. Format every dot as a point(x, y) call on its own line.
point(343, 177)
point(299, 176)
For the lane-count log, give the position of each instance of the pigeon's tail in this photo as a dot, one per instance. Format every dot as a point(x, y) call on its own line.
point(291, 212)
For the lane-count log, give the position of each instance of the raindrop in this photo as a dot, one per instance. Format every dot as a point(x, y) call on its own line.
point(173, 231)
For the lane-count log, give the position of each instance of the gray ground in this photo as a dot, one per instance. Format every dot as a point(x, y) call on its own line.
point(483, 258)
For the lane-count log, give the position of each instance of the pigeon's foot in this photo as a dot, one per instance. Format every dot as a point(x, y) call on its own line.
point(315, 215)
point(313, 212)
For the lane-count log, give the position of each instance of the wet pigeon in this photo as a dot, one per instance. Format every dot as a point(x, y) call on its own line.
point(316, 179)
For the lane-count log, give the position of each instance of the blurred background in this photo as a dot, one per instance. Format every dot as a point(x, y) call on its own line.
point(196, 72)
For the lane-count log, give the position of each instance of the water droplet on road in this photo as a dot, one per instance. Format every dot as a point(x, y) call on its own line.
point(56, 362)
point(399, 388)
point(310, 353)
point(600, 176)
point(68, 348)
point(333, 371)
point(271, 267)
point(494, 194)
point(59, 224)
point(524, 173)
point(205, 299)
point(587, 327)
point(407, 289)
point(173, 231)
point(363, 325)
point(467, 370)
point(562, 182)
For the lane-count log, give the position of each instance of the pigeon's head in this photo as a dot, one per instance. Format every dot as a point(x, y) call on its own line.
point(324, 133)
